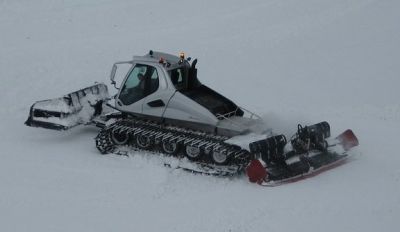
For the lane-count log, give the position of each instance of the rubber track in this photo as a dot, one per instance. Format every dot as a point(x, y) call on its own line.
point(157, 133)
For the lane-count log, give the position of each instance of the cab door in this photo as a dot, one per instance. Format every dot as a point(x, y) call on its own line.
point(135, 89)
point(157, 94)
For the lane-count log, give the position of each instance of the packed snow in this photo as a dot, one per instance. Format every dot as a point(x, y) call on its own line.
point(289, 61)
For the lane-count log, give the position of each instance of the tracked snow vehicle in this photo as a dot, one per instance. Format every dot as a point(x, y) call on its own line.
point(161, 106)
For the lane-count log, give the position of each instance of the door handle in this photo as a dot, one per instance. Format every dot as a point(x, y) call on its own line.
point(156, 103)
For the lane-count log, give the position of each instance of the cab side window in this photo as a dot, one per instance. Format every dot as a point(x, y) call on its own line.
point(154, 82)
point(178, 78)
point(141, 82)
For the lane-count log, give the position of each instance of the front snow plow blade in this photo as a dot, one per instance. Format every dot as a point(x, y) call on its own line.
point(76, 108)
point(309, 153)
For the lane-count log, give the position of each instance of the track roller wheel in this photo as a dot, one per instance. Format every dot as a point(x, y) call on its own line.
point(119, 138)
point(219, 157)
point(143, 142)
point(192, 153)
point(169, 148)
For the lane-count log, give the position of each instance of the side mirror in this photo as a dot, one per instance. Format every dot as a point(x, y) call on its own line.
point(124, 66)
point(112, 75)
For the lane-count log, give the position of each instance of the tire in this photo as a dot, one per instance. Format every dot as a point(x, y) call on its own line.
point(119, 138)
point(169, 148)
point(193, 153)
point(143, 142)
point(219, 157)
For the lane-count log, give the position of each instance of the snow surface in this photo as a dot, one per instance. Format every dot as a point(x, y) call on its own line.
point(290, 61)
